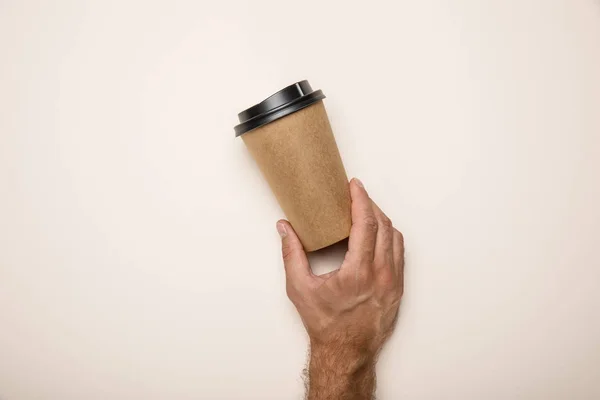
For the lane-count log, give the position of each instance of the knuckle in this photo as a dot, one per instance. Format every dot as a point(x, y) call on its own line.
point(289, 291)
point(400, 286)
point(386, 222)
point(385, 276)
point(399, 235)
point(365, 276)
point(346, 279)
point(292, 291)
point(399, 292)
point(370, 223)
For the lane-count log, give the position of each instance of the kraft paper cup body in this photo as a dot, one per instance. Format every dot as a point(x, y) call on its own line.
point(299, 158)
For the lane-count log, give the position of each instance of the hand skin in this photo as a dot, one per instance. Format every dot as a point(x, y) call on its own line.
point(348, 313)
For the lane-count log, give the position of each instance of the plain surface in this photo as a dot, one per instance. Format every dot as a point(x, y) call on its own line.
point(138, 251)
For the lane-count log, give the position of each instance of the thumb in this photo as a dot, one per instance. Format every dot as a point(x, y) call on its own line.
point(294, 257)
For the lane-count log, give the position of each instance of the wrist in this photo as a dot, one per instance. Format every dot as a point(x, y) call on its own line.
point(340, 371)
point(341, 357)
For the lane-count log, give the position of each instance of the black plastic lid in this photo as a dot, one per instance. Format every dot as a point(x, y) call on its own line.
point(288, 100)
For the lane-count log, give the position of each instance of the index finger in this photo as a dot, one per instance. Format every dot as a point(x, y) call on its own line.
point(363, 234)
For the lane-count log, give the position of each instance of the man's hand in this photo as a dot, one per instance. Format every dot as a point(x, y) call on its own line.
point(348, 313)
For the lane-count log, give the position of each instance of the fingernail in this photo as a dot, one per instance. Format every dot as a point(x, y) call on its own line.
point(359, 183)
point(281, 229)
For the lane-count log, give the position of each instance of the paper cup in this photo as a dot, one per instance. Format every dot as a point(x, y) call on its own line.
point(290, 138)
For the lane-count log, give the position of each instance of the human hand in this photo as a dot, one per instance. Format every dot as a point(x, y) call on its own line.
point(348, 313)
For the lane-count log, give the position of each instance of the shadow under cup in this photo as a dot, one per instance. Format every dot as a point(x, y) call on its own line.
point(290, 138)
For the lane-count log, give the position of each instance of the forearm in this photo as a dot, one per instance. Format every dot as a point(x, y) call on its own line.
point(340, 372)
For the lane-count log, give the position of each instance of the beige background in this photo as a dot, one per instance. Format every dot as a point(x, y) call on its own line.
point(138, 254)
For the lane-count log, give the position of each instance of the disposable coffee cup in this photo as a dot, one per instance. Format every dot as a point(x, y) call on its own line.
point(290, 138)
